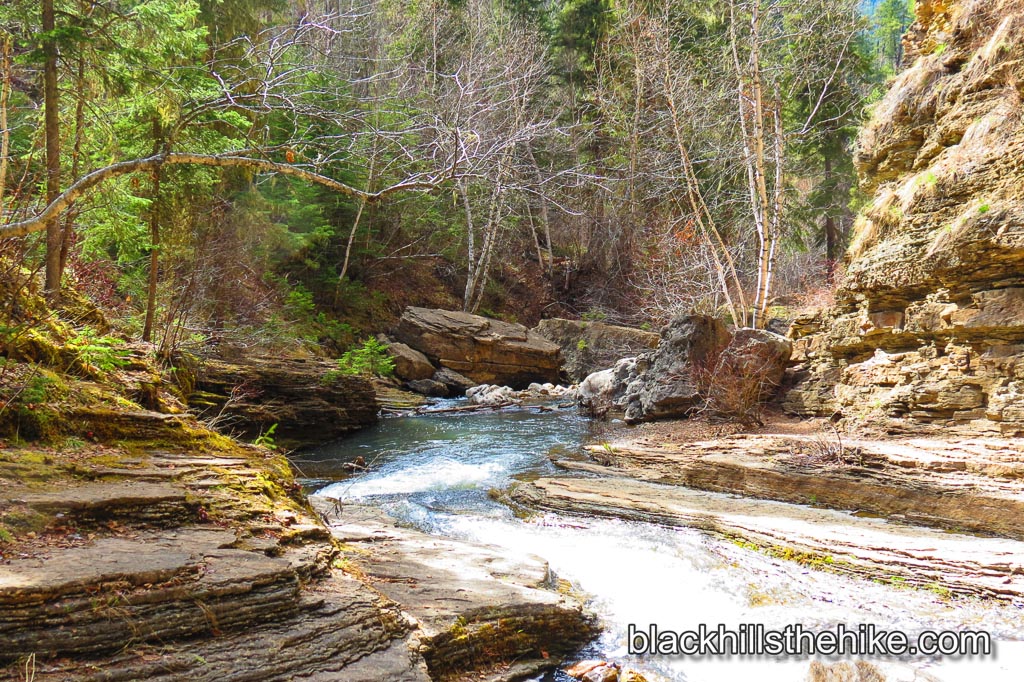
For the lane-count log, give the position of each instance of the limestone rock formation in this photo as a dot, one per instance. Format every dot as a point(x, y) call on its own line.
point(453, 382)
point(484, 350)
point(666, 384)
point(604, 391)
point(307, 399)
point(746, 374)
point(929, 321)
point(589, 347)
point(486, 394)
point(698, 364)
point(472, 605)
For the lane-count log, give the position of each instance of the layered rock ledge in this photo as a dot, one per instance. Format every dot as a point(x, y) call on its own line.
point(484, 350)
point(308, 399)
point(203, 561)
point(928, 324)
point(948, 563)
point(472, 604)
point(970, 485)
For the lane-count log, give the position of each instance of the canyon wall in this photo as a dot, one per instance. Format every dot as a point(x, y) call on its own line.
point(928, 322)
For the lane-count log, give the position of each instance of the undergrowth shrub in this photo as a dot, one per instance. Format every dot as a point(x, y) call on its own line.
point(105, 353)
point(369, 359)
point(738, 382)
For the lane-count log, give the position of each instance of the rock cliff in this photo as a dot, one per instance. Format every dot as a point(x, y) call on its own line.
point(929, 321)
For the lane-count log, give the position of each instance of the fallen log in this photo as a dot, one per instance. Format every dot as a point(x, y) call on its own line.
point(466, 408)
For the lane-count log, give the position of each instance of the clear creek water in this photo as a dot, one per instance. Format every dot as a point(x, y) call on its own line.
point(435, 471)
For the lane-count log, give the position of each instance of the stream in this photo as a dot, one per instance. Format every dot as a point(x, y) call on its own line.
point(434, 472)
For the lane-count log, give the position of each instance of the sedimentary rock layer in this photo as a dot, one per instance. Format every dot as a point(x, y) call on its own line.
point(308, 399)
point(929, 321)
point(485, 350)
point(589, 347)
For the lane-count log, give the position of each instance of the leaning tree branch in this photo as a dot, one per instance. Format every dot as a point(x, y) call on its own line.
point(90, 180)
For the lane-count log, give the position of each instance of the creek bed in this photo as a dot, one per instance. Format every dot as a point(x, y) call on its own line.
point(437, 472)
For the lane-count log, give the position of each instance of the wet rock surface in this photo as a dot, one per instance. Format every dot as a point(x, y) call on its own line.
point(484, 350)
point(966, 484)
point(203, 564)
point(534, 393)
point(824, 539)
point(473, 605)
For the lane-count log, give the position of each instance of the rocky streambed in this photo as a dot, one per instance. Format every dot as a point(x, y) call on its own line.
point(651, 530)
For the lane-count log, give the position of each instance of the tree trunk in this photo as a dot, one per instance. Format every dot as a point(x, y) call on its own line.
point(545, 216)
point(5, 134)
point(68, 233)
point(470, 244)
point(476, 284)
point(154, 238)
point(51, 115)
point(359, 215)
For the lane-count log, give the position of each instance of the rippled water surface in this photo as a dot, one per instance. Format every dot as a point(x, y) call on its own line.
point(435, 471)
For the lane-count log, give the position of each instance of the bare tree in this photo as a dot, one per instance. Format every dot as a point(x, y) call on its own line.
point(490, 103)
point(271, 78)
point(707, 111)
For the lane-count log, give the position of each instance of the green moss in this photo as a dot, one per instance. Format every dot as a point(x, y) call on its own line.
point(21, 521)
point(27, 467)
point(811, 559)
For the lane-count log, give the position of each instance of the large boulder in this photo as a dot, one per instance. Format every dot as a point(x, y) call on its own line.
point(588, 347)
point(484, 350)
point(456, 383)
point(307, 398)
point(698, 365)
point(410, 364)
point(667, 382)
point(604, 391)
point(429, 387)
point(746, 374)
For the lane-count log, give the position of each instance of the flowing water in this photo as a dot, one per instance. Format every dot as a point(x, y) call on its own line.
point(435, 471)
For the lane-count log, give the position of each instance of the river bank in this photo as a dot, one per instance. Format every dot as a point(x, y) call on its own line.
point(189, 556)
point(202, 554)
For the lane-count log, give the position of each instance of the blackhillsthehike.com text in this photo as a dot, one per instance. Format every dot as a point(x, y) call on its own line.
point(795, 640)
